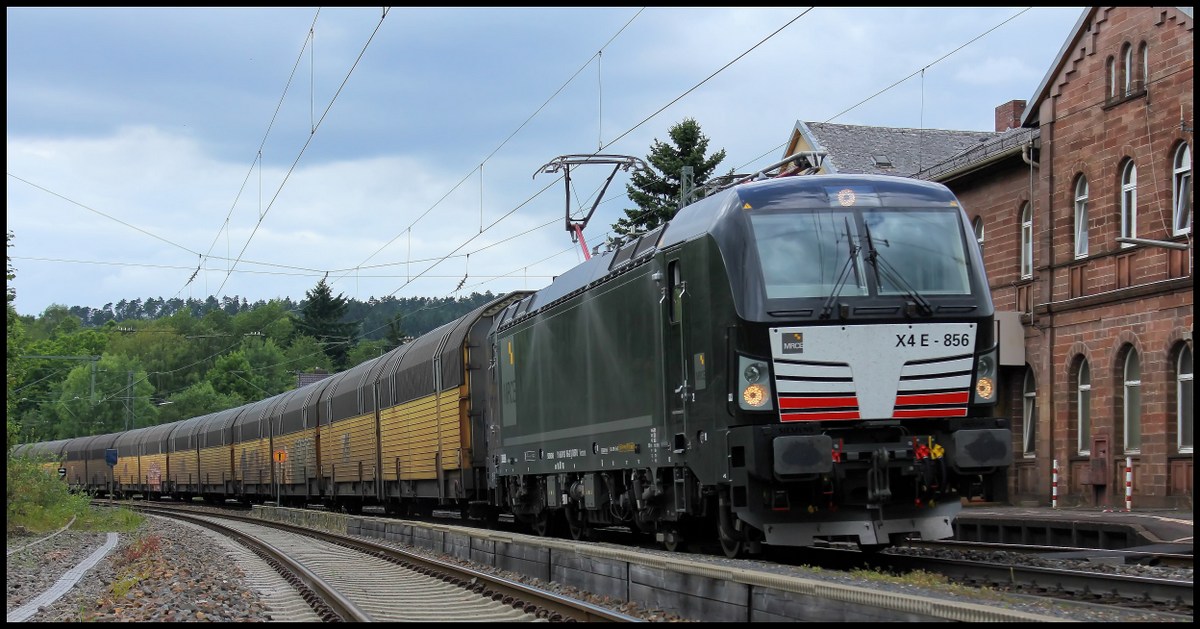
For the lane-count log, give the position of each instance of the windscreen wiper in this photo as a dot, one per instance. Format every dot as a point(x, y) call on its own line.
point(827, 309)
point(886, 270)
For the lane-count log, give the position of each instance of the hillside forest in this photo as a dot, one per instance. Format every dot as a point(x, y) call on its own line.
point(78, 370)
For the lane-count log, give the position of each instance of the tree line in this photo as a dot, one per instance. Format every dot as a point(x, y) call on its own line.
point(68, 378)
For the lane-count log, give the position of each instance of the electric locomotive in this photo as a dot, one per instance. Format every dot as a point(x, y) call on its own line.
point(786, 362)
point(790, 361)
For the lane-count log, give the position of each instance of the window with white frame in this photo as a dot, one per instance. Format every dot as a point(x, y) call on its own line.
point(1183, 400)
point(1026, 241)
point(1112, 78)
point(1144, 68)
point(1083, 409)
point(1029, 413)
point(1081, 217)
point(1133, 403)
point(1127, 69)
point(1182, 190)
point(978, 225)
point(1128, 201)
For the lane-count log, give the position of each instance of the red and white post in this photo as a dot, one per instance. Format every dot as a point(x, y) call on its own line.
point(1128, 484)
point(1054, 485)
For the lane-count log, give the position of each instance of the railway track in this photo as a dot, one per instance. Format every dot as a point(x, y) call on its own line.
point(349, 579)
point(1008, 575)
point(1139, 556)
point(1068, 573)
point(1084, 575)
point(1076, 585)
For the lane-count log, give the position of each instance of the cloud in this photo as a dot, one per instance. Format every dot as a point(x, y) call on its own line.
point(387, 152)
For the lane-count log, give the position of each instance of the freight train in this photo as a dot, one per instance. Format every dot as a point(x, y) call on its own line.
point(786, 362)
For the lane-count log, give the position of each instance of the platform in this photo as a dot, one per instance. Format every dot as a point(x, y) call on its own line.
point(1078, 527)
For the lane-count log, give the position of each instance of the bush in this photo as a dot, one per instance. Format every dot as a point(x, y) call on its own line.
point(37, 501)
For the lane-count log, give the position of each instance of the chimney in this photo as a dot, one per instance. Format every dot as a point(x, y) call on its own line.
point(1008, 115)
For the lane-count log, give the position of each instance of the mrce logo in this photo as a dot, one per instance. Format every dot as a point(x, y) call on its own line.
point(793, 343)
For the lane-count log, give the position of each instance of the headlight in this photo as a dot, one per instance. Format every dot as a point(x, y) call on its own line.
point(754, 385)
point(753, 373)
point(985, 378)
point(755, 395)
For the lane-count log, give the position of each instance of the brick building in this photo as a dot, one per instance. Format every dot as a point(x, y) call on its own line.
point(1082, 202)
point(1098, 261)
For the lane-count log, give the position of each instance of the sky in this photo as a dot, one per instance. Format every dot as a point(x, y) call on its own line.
point(188, 152)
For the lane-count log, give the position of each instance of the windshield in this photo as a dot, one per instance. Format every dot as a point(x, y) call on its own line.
point(805, 254)
point(924, 247)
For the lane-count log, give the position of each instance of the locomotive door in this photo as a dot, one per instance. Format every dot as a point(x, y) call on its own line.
point(679, 391)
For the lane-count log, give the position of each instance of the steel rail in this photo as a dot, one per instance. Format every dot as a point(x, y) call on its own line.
point(549, 605)
point(325, 600)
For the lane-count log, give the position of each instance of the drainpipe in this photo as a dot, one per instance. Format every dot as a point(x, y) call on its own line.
point(1027, 155)
point(1048, 374)
point(1048, 360)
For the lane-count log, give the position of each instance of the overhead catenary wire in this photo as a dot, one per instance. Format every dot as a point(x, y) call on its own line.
point(627, 132)
point(503, 143)
point(233, 268)
point(258, 154)
point(832, 118)
point(315, 125)
point(515, 209)
point(443, 258)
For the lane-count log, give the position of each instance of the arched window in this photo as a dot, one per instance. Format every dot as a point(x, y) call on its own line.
point(1083, 408)
point(1127, 69)
point(1081, 217)
point(1182, 189)
point(978, 225)
point(1026, 241)
point(1143, 77)
point(1111, 78)
point(1128, 201)
point(1183, 400)
point(1029, 413)
point(1133, 402)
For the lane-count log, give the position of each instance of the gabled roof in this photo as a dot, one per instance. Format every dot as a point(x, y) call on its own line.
point(1030, 117)
point(1004, 145)
point(883, 150)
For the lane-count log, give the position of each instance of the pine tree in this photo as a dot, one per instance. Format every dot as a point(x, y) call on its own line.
point(657, 193)
point(321, 318)
point(395, 331)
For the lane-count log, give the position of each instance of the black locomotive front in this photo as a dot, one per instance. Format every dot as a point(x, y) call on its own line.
point(865, 362)
point(806, 358)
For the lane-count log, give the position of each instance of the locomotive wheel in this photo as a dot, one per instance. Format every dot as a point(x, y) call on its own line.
point(575, 524)
point(673, 540)
point(731, 547)
point(541, 523)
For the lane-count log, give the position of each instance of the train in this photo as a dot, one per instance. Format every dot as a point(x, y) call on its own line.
point(789, 361)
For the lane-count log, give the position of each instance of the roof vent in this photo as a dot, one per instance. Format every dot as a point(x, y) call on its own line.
point(882, 161)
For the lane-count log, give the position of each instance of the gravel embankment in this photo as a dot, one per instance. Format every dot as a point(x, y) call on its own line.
point(169, 571)
point(164, 572)
point(191, 576)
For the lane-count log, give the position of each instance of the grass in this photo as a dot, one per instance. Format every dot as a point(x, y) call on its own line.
point(135, 563)
point(39, 503)
point(927, 580)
